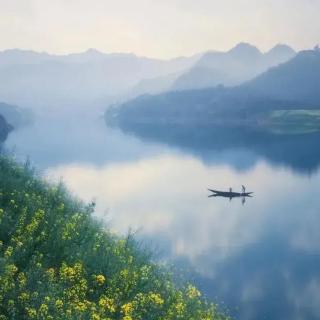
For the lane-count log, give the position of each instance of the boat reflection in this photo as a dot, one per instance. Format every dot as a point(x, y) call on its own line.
point(231, 194)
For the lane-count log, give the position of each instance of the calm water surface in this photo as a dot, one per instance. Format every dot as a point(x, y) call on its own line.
point(261, 260)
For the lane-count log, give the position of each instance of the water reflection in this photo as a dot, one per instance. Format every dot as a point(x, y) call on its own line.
point(241, 147)
point(231, 194)
point(261, 259)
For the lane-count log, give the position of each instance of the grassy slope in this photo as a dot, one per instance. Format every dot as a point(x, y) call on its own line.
point(56, 262)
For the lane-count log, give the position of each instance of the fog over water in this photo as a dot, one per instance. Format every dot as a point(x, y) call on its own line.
point(260, 259)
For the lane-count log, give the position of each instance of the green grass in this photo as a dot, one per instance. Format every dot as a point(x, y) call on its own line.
point(300, 121)
point(58, 263)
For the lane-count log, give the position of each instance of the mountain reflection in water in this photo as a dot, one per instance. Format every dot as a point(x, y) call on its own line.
point(300, 152)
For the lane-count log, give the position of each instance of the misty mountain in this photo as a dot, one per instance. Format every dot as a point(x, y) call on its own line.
point(5, 128)
point(94, 78)
point(291, 85)
point(39, 79)
point(152, 86)
point(297, 81)
point(10, 117)
point(241, 63)
point(15, 116)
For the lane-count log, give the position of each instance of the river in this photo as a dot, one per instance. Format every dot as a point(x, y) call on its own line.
point(259, 260)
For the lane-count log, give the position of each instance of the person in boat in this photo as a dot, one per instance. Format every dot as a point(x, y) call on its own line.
point(230, 190)
point(243, 189)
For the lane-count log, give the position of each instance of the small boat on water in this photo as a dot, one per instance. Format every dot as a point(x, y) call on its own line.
point(231, 194)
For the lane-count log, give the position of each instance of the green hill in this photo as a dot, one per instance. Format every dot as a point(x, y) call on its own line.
point(57, 262)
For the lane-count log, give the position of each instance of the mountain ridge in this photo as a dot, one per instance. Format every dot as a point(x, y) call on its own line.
point(39, 79)
point(94, 78)
point(291, 85)
point(237, 65)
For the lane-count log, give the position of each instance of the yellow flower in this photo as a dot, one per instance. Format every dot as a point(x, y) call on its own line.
point(71, 273)
point(24, 296)
point(193, 292)
point(180, 307)
point(95, 316)
point(59, 304)
point(127, 308)
point(100, 279)
point(50, 273)
point(8, 252)
point(32, 313)
point(19, 244)
point(107, 304)
point(81, 307)
point(156, 298)
point(22, 279)
point(43, 310)
point(124, 273)
point(67, 273)
point(11, 268)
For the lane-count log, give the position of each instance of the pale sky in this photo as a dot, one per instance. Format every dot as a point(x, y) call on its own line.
point(157, 28)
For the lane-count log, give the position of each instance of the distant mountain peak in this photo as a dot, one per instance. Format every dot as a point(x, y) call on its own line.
point(94, 52)
point(17, 51)
point(245, 48)
point(281, 48)
point(308, 55)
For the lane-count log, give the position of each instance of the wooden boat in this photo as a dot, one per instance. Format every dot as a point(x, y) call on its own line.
point(230, 194)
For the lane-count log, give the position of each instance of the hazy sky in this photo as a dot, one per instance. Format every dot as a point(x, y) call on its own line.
point(158, 28)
